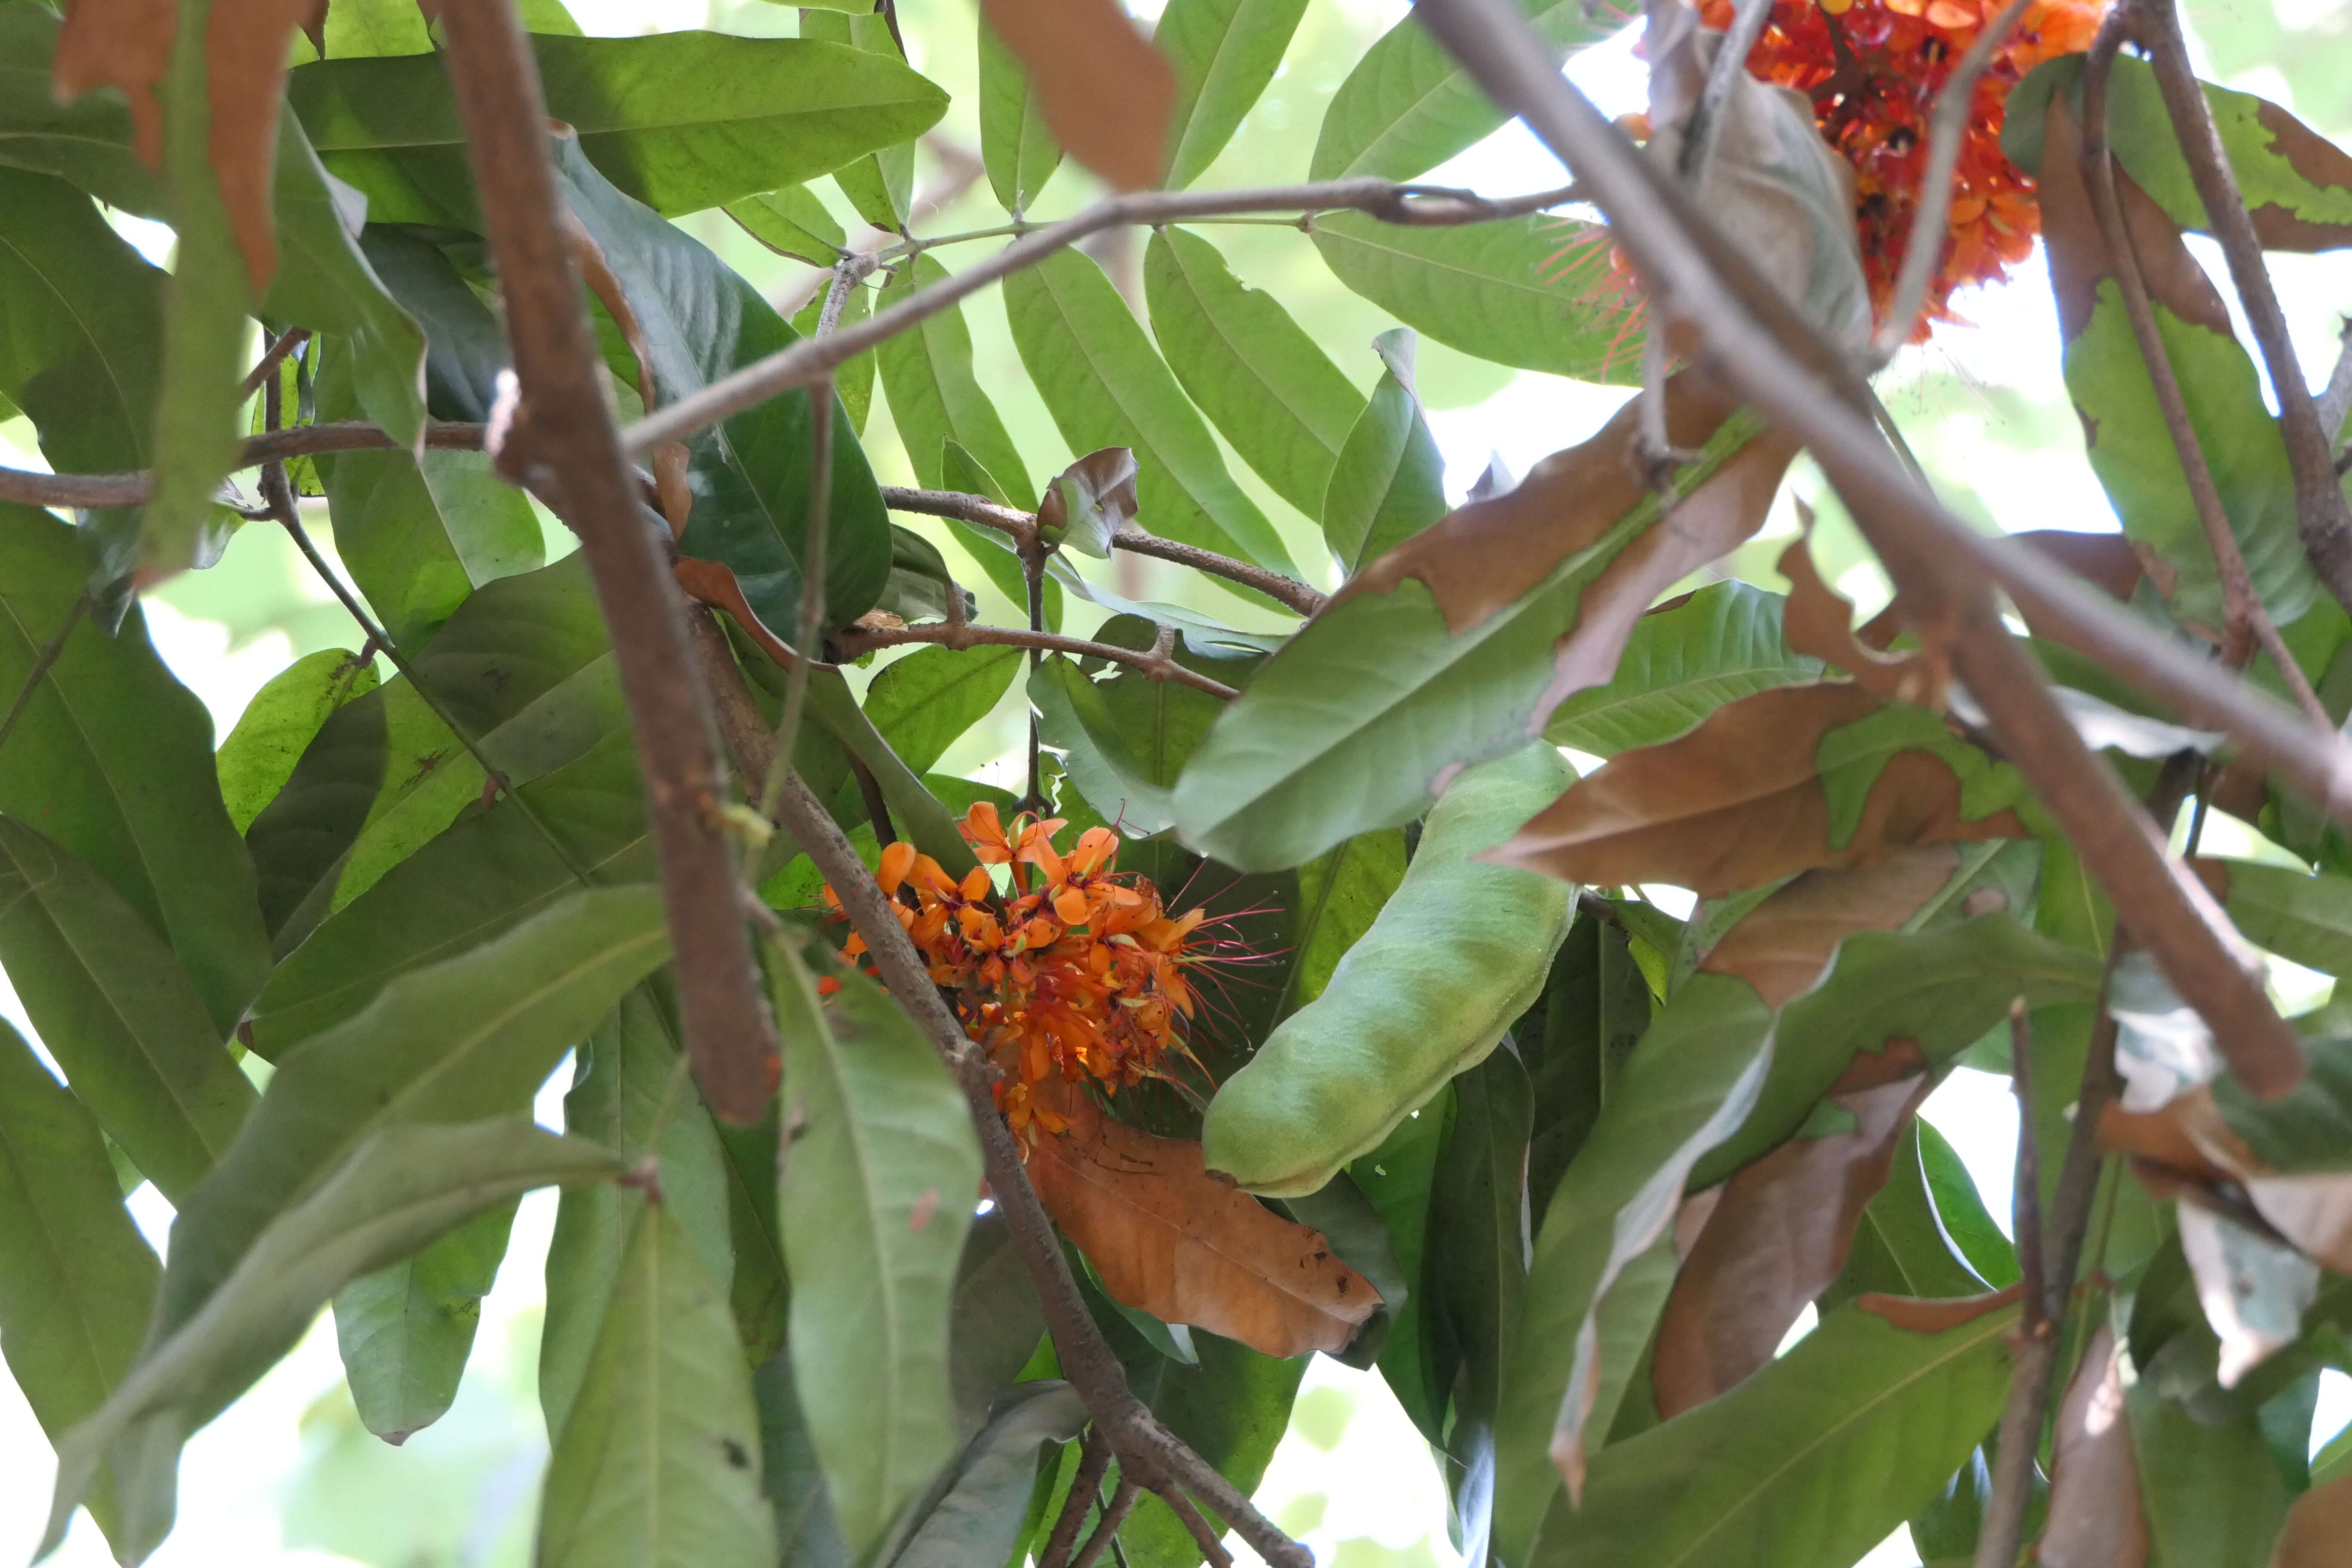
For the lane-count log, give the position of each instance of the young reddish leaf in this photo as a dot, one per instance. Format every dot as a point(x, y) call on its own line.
point(1743, 801)
point(1087, 502)
point(1106, 91)
point(1166, 1237)
point(1819, 622)
point(2095, 1520)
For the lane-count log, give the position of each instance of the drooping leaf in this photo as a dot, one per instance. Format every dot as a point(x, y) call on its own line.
point(1685, 659)
point(398, 1189)
point(1224, 52)
point(923, 703)
point(657, 1464)
point(1815, 1459)
point(983, 1497)
point(995, 1320)
point(464, 347)
point(117, 1013)
point(112, 758)
point(880, 185)
point(1122, 739)
point(627, 1094)
point(1458, 646)
point(1398, 1177)
point(807, 1533)
point(1105, 92)
point(679, 120)
point(404, 1331)
point(1340, 893)
point(1107, 387)
point(1575, 1039)
point(791, 222)
point(1019, 152)
point(280, 723)
point(1387, 480)
point(1167, 1239)
point(876, 1196)
point(927, 373)
point(1265, 385)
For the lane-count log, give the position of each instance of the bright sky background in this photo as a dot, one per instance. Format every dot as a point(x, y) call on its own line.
point(287, 1479)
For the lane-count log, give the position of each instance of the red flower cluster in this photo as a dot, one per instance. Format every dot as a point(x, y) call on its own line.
point(1074, 967)
point(1874, 70)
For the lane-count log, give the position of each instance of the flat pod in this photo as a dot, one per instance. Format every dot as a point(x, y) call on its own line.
point(1458, 951)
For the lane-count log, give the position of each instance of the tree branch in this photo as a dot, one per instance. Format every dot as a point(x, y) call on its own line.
point(288, 342)
point(2003, 1528)
point(812, 357)
point(1157, 666)
point(2321, 515)
point(1086, 1492)
point(1106, 1531)
point(2336, 403)
point(562, 445)
point(94, 491)
point(1940, 564)
point(1148, 1453)
point(1022, 527)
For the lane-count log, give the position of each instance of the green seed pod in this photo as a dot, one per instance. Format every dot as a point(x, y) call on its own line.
point(1459, 951)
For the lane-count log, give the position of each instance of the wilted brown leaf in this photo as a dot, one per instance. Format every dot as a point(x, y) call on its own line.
point(1168, 1238)
point(1914, 1316)
point(713, 583)
point(2318, 1530)
point(1781, 1232)
point(128, 44)
point(1819, 621)
point(2079, 261)
point(1781, 946)
point(1106, 92)
point(2095, 1519)
point(1740, 803)
point(2189, 1140)
point(669, 459)
point(2316, 159)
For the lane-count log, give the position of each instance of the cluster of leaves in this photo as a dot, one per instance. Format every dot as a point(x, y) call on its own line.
point(1565, 1168)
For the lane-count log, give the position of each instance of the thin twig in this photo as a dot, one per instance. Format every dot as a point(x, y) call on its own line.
point(1930, 236)
point(1106, 1531)
point(1147, 1451)
point(42, 663)
point(1781, 363)
point(810, 357)
point(562, 445)
point(2004, 1528)
point(860, 640)
point(2336, 403)
point(284, 343)
point(1705, 126)
point(1086, 1489)
point(1203, 1537)
point(810, 634)
point(2321, 515)
point(95, 491)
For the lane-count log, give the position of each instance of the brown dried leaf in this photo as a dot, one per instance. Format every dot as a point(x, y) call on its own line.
point(669, 459)
point(2095, 1519)
point(1819, 622)
point(713, 583)
point(1740, 803)
point(1168, 1238)
point(1781, 946)
point(128, 44)
point(1782, 1232)
point(1916, 1316)
point(2189, 1140)
point(2318, 1530)
point(2316, 159)
point(1106, 92)
point(2079, 260)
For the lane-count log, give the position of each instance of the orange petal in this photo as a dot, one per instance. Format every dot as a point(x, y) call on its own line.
point(897, 861)
point(1071, 905)
point(976, 885)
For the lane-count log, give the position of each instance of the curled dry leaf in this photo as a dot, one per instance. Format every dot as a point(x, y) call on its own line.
point(1819, 622)
point(2095, 1519)
point(128, 44)
point(1170, 1239)
point(1742, 801)
point(1914, 1316)
point(713, 583)
point(1782, 1233)
point(1106, 92)
point(1781, 946)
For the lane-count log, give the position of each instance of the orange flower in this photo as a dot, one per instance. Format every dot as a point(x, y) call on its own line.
point(1077, 971)
point(1874, 70)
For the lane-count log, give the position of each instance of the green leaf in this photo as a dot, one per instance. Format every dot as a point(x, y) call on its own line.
point(880, 185)
point(1019, 152)
point(877, 1195)
point(400, 1188)
point(1507, 291)
point(658, 1463)
point(1692, 1082)
point(1900, 1246)
point(629, 1093)
point(1388, 482)
point(1261, 380)
point(1106, 387)
point(1408, 106)
point(1961, 1211)
point(2132, 453)
point(1685, 660)
point(923, 703)
point(76, 1279)
point(927, 373)
point(983, 1500)
point(702, 320)
point(2304, 918)
point(117, 1013)
point(760, 1290)
point(994, 1320)
point(1396, 1177)
point(2211, 1489)
point(854, 378)
point(1224, 52)
point(678, 120)
point(87, 141)
point(791, 222)
point(1122, 739)
point(2305, 1132)
point(807, 1533)
point(464, 347)
point(1340, 893)
point(1575, 1039)
point(1816, 1458)
point(113, 758)
point(280, 723)
point(404, 1332)
point(917, 812)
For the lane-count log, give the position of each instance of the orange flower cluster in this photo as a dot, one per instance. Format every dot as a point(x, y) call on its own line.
point(1074, 967)
point(1874, 70)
